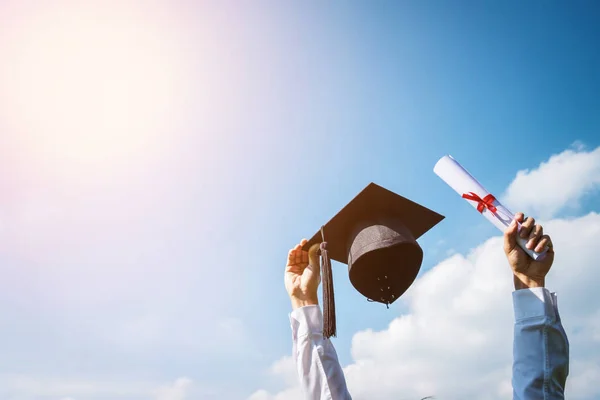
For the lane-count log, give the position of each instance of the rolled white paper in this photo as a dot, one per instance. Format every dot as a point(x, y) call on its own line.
point(463, 182)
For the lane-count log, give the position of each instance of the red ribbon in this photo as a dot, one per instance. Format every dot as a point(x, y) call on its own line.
point(486, 202)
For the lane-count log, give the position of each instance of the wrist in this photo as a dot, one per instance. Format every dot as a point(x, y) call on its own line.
point(303, 302)
point(526, 282)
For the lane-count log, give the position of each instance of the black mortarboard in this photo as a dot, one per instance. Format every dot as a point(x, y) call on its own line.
point(376, 236)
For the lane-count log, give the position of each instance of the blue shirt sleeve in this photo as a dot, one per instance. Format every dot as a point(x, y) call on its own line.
point(540, 347)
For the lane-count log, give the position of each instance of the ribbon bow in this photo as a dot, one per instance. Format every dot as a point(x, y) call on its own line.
point(486, 202)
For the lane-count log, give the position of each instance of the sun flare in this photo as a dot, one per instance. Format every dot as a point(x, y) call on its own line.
point(89, 85)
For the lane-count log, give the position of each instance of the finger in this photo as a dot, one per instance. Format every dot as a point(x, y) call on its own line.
point(296, 250)
point(550, 245)
point(534, 237)
point(313, 251)
point(298, 257)
point(293, 256)
point(544, 242)
point(291, 261)
point(520, 217)
point(303, 242)
point(313, 256)
point(510, 236)
point(526, 227)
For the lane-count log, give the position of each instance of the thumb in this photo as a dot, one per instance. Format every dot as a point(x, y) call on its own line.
point(510, 235)
point(313, 258)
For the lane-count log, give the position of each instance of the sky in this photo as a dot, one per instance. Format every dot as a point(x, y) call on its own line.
point(159, 159)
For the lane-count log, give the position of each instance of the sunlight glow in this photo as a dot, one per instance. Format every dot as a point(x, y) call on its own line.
point(89, 85)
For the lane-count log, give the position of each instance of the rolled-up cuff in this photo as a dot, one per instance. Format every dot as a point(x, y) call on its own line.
point(534, 303)
point(306, 320)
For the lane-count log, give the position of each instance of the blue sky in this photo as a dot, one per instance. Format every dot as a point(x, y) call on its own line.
point(500, 88)
point(270, 118)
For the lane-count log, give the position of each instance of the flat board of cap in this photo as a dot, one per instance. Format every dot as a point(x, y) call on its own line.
point(372, 202)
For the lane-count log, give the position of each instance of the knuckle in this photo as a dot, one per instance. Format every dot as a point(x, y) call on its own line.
point(530, 221)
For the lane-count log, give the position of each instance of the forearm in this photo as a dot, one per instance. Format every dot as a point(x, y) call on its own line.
point(541, 347)
point(525, 282)
point(319, 370)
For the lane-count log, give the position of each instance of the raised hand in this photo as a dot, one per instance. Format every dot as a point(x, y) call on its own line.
point(528, 272)
point(302, 275)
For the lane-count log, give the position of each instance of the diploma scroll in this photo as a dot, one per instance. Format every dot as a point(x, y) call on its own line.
point(471, 190)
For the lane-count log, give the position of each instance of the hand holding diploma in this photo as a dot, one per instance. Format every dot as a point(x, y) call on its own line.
point(528, 273)
point(486, 203)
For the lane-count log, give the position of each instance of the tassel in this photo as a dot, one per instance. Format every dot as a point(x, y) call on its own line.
point(329, 325)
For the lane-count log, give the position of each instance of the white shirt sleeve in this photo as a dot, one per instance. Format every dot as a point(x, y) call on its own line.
point(540, 347)
point(319, 370)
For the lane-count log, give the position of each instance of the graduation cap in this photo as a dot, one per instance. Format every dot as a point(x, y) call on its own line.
point(376, 236)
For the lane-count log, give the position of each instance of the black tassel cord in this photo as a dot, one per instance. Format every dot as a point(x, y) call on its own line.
point(329, 326)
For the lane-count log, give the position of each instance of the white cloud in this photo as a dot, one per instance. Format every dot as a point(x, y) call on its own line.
point(285, 368)
point(560, 182)
point(288, 394)
point(455, 341)
point(24, 387)
point(177, 391)
point(32, 387)
point(459, 326)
